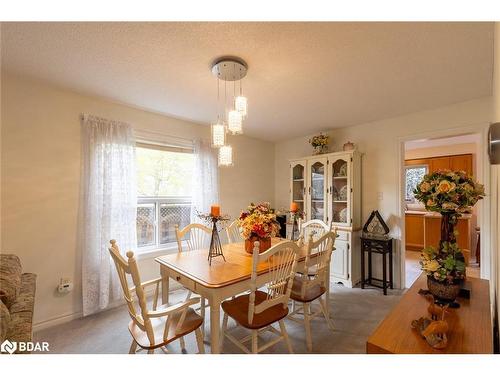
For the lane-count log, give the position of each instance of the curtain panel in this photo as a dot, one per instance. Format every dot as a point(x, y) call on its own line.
point(109, 207)
point(205, 179)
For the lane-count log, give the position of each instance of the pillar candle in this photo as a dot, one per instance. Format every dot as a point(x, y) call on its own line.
point(215, 210)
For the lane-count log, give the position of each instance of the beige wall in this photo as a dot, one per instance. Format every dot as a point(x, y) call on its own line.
point(380, 144)
point(41, 180)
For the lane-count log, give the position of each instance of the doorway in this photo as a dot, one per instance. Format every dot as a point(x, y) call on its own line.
point(422, 228)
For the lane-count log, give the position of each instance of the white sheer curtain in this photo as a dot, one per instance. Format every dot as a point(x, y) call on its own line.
point(109, 203)
point(205, 179)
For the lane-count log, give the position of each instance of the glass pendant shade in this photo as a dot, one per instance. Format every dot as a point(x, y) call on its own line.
point(240, 104)
point(218, 135)
point(225, 156)
point(235, 122)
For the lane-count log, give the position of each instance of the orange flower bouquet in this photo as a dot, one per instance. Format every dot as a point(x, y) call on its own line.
point(258, 223)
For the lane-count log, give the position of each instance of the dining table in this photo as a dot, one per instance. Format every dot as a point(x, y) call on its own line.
point(220, 280)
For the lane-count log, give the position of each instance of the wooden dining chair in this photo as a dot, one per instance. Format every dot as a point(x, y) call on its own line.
point(317, 227)
point(233, 232)
point(152, 329)
point(196, 237)
point(258, 310)
point(311, 285)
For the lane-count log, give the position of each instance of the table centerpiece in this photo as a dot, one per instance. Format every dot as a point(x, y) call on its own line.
point(213, 217)
point(258, 223)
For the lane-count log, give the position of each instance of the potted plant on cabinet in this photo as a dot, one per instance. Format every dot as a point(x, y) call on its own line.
point(258, 223)
point(320, 143)
point(450, 193)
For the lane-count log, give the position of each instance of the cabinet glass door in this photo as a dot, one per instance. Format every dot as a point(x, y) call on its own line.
point(298, 187)
point(317, 190)
point(340, 186)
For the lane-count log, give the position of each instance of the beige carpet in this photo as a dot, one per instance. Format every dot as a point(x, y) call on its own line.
point(356, 313)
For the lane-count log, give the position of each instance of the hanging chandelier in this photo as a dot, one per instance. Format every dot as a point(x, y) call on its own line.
point(229, 117)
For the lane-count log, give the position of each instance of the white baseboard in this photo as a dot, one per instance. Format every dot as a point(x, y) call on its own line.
point(38, 326)
point(56, 321)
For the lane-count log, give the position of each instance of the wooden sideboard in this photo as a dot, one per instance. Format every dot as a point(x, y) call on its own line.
point(470, 325)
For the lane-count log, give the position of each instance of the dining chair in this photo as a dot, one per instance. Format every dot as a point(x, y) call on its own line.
point(233, 232)
point(152, 329)
point(196, 237)
point(311, 285)
point(258, 310)
point(315, 226)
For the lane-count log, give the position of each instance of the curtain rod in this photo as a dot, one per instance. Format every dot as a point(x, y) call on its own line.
point(84, 117)
point(152, 132)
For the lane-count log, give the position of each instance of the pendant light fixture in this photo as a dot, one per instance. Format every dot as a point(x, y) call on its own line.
point(235, 122)
point(240, 103)
point(218, 129)
point(225, 156)
point(228, 119)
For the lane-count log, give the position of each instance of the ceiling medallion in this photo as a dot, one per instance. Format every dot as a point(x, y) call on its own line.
point(229, 117)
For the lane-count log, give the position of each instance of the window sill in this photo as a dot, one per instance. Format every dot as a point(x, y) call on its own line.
point(153, 253)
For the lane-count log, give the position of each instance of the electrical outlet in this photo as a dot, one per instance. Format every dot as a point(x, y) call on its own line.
point(380, 195)
point(65, 285)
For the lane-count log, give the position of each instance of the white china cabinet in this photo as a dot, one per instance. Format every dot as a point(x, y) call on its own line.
point(328, 187)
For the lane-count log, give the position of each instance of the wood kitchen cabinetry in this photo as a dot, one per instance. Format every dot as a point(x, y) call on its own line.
point(453, 162)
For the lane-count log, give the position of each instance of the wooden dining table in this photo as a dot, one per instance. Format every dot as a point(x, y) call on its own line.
point(218, 281)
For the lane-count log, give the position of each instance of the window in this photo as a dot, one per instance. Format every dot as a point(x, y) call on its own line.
point(164, 194)
point(414, 175)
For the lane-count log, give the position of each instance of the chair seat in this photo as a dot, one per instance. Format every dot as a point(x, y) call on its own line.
point(310, 294)
point(238, 310)
point(191, 322)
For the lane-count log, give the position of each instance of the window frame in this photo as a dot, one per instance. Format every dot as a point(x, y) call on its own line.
point(414, 166)
point(154, 249)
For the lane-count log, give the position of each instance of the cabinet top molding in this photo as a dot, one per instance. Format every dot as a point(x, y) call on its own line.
point(330, 154)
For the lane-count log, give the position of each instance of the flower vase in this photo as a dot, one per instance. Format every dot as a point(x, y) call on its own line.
point(444, 291)
point(318, 150)
point(264, 244)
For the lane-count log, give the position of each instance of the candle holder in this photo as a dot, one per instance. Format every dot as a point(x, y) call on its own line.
point(215, 249)
point(295, 215)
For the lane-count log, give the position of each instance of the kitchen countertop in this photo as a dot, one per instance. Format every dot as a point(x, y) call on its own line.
point(433, 214)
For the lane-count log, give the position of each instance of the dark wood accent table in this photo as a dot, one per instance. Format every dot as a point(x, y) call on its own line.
point(470, 325)
point(381, 246)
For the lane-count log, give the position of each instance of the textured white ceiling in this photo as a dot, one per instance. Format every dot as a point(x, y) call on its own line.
point(302, 77)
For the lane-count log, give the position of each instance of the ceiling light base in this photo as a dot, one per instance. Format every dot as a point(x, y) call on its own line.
point(229, 69)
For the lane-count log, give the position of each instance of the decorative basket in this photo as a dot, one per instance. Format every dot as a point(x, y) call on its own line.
point(442, 291)
point(264, 244)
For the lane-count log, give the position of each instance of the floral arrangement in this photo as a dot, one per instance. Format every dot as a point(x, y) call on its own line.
point(445, 191)
point(450, 193)
point(320, 140)
point(258, 221)
point(443, 264)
